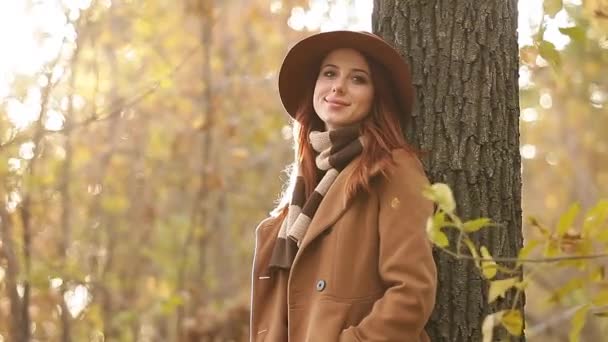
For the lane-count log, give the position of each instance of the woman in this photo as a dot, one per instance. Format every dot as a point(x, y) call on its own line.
point(345, 256)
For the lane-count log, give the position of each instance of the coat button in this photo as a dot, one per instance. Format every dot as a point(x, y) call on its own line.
point(321, 285)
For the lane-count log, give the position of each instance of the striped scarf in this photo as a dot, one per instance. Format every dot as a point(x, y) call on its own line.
point(335, 150)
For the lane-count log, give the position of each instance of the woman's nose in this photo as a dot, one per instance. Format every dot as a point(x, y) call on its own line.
point(338, 86)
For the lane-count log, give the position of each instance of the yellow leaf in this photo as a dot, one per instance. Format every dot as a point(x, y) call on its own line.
point(440, 239)
point(551, 7)
point(513, 321)
point(114, 203)
point(439, 220)
point(525, 251)
point(601, 298)
point(601, 235)
point(534, 223)
point(433, 230)
point(499, 287)
point(594, 218)
point(551, 248)
point(473, 251)
point(549, 52)
point(441, 194)
point(584, 247)
point(435, 235)
point(477, 224)
point(488, 268)
point(567, 289)
point(521, 285)
point(567, 219)
point(576, 33)
point(578, 322)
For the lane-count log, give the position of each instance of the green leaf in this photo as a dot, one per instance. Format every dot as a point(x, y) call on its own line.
point(576, 33)
point(513, 321)
point(551, 7)
point(578, 322)
point(488, 268)
point(477, 224)
point(498, 288)
point(549, 52)
point(567, 219)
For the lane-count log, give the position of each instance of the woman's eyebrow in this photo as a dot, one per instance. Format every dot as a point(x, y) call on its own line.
point(354, 69)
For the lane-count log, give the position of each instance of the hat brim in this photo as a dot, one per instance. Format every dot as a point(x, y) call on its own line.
point(296, 75)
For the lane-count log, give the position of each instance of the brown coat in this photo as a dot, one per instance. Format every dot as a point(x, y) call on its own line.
point(364, 270)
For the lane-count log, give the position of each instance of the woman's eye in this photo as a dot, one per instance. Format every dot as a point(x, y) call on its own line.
point(359, 79)
point(329, 73)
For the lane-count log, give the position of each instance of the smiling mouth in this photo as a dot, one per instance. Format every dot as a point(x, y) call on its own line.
point(336, 103)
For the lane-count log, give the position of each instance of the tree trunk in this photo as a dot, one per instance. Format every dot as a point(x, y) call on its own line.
point(464, 60)
point(7, 251)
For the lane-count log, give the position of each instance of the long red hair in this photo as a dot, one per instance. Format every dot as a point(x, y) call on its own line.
point(381, 129)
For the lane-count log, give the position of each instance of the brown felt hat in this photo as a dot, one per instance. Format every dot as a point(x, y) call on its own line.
point(298, 71)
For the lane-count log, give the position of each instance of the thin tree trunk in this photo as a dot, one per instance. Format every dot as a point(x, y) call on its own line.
point(207, 141)
point(199, 215)
point(25, 208)
point(464, 60)
point(7, 249)
point(223, 253)
point(64, 187)
point(100, 224)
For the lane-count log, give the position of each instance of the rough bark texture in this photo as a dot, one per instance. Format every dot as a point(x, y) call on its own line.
point(464, 60)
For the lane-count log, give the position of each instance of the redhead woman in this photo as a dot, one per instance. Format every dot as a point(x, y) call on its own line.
point(345, 256)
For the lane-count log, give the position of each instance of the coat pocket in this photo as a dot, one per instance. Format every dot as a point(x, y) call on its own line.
point(358, 311)
point(327, 320)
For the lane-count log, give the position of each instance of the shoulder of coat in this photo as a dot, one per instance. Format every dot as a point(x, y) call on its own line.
point(405, 178)
point(406, 163)
point(269, 221)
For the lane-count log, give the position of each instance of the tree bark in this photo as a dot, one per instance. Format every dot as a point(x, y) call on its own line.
point(464, 60)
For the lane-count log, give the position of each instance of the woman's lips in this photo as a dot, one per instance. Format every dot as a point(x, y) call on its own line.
point(335, 103)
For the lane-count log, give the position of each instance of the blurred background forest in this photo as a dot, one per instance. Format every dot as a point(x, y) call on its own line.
point(142, 141)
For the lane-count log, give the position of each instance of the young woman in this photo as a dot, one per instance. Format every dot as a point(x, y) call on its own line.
point(345, 255)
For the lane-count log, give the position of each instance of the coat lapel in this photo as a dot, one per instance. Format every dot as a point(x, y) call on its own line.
point(333, 205)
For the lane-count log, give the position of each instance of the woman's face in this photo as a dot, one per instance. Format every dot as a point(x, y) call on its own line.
point(344, 91)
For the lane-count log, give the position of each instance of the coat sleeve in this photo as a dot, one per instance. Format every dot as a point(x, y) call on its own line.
point(405, 260)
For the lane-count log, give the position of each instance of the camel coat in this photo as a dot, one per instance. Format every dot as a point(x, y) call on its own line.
point(364, 270)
